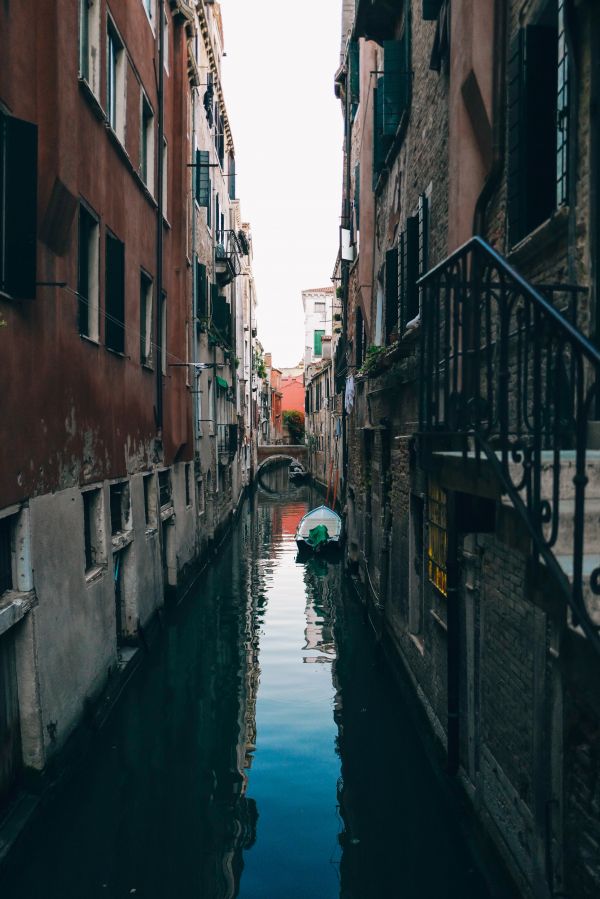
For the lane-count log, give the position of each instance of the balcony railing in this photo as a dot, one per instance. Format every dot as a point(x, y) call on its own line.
point(509, 377)
point(227, 439)
point(228, 254)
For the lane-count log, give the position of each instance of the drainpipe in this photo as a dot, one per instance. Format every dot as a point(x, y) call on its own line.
point(197, 376)
point(453, 638)
point(159, 225)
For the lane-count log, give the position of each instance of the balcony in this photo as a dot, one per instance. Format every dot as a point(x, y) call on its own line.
point(510, 401)
point(228, 256)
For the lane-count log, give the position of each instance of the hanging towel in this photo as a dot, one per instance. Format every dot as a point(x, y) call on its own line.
point(349, 398)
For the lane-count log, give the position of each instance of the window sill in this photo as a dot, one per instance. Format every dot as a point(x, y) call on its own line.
point(94, 574)
point(14, 605)
point(121, 540)
point(539, 241)
point(151, 531)
point(147, 367)
point(91, 340)
point(439, 621)
point(117, 353)
point(418, 642)
point(167, 513)
point(91, 99)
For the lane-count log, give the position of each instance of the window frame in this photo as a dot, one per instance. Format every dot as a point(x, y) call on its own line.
point(116, 87)
point(146, 319)
point(90, 299)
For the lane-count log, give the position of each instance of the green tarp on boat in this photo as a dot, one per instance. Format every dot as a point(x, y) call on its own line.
point(318, 536)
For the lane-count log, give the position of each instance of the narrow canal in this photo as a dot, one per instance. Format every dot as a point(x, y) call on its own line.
point(259, 751)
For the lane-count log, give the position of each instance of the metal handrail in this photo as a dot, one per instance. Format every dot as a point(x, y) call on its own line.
point(507, 374)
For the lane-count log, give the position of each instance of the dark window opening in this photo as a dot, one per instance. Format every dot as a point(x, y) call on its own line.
point(391, 294)
point(164, 488)
point(18, 207)
point(93, 555)
point(145, 319)
point(188, 484)
point(201, 291)
point(359, 338)
point(119, 507)
point(538, 112)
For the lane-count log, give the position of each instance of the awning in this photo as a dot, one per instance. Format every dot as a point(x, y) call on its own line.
point(221, 382)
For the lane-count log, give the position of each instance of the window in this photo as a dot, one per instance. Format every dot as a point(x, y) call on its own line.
point(147, 144)
point(231, 176)
point(320, 307)
point(120, 510)
point(115, 92)
point(318, 343)
point(149, 7)
point(150, 501)
point(438, 537)
point(92, 528)
point(201, 291)
point(408, 272)
point(188, 484)
point(88, 286)
point(391, 294)
point(114, 300)
point(359, 338)
point(201, 496)
point(146, 289)
point(538, 100)
point(89, 43)
point(6, 553)
point(164, 488)
point(166, 39)
point(201, 179)
point(18, 207)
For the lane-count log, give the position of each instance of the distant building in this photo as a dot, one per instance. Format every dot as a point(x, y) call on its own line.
point(318, 312)
point(292, 389)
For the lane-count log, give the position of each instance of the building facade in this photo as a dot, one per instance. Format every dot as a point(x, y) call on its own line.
point(128, 435)
point(468, 363)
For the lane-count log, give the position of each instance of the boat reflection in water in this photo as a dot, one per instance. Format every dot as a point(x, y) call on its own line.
point(258, 752)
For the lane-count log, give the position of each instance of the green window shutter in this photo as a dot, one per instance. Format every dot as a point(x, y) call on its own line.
point(201, 291)
point(515, 187)
point(209, 204)
point(114, 298)
point(412, 267)
point(354, 64)
point(391, 291)
point(214, 296)
point(381, 142)
point(222, 317)
point(431, 9)
point(318, 342)
point(393, 88)
point(202, 178)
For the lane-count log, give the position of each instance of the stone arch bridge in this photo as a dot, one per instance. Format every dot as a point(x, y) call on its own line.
point(282, 453)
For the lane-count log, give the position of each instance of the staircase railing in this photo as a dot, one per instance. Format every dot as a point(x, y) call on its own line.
point(506, 374)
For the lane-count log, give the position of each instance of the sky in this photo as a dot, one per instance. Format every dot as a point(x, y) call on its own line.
point(287, 130)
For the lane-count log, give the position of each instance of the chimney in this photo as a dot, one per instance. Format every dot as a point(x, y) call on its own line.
point(268, 360)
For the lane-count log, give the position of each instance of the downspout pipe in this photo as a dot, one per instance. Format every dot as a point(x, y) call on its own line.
point(159, 219)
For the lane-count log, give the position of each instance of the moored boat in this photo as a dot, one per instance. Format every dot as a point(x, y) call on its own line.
point(319, 529)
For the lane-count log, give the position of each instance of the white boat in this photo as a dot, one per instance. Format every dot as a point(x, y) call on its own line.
point(319, 528)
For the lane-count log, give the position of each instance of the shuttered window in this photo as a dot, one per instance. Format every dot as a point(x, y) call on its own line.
point(391, 293)
point(201, 291)
point(221, 316)
point(354, 65)
point(18, 207)
point(318, 342)
point(408, 272)
point(538, 113)
point(396, 81)
point(114, 298)
point(202, 180)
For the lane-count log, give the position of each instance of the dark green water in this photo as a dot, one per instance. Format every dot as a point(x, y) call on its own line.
point(260, 751)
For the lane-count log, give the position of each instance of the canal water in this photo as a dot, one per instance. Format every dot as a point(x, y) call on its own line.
point(260, 751)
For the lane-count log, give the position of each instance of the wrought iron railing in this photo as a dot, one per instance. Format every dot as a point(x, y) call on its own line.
point(228, 255)
point(507, 375)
